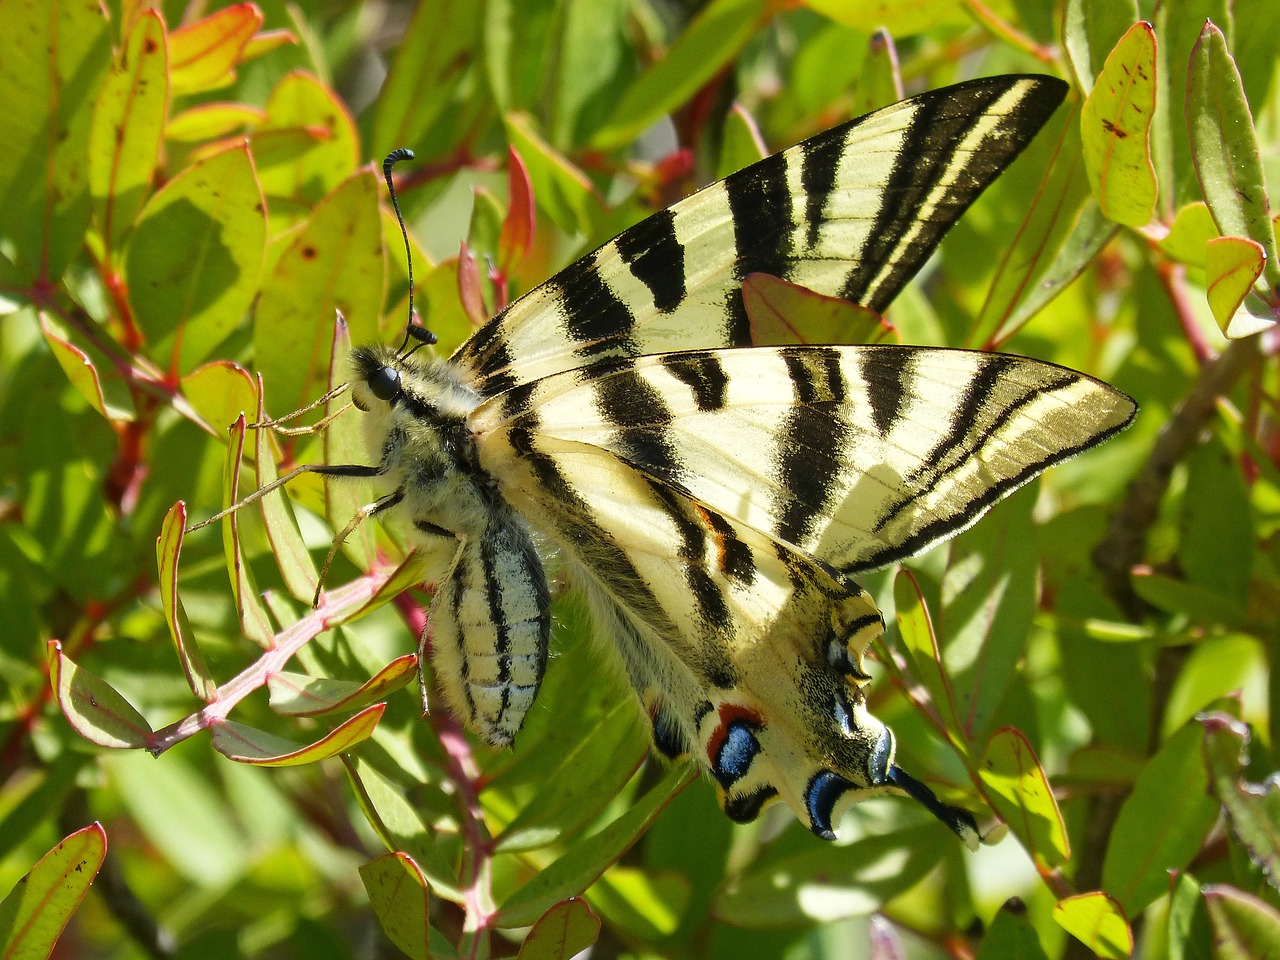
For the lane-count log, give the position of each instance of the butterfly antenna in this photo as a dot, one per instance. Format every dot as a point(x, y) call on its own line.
point(412, 330)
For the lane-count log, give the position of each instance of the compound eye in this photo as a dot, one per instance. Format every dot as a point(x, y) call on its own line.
point(385, 383)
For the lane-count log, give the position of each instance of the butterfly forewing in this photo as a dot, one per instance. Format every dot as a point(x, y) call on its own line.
point(853, 212)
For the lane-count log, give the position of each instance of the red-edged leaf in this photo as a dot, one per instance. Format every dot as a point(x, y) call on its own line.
point(298, 695)
point(470, 287)
point(782, 313)
point(1245, 927)
point(245, 744)
point(203, 55)
point(1017, 787)
point(561, 933)
point(110, 397)
point(400, 899)
point(254, 622)
point(518, 227)
point(168, 547)
point(292, 557)
point(1233, 265)
point(93, 707)
point(35, 912)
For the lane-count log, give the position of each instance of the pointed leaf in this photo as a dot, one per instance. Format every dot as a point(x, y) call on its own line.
point(128, 125)
point(1162, 823)
point(203, 55)
point(561, 933)
point(1225, 148)
point(254, 622)
point(168, 547)
point(1245, 927)
point(1233, 265)
point(110, 397)
point(520, 221)
point(298, 695)
point(93, 707)
point(1011, 934)
point(1017, 787)
point(290, 552)
point(1115, 126)
point(195, 258)
point(211, 121)
point(560, 188)
point(398, 894)
point(244, 744)
point(1097, 921)
point(1253, 809)
point(742, 143)
point(35, 912)
point(782, 313)
point(918, 637)
point(588, 857)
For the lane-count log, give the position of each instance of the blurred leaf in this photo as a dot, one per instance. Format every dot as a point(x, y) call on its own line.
point(588, 857)
point(334, 263)
point(398, 894)
point(520, 221)
point(741, 144)
point(244, 744)
point(1201, 604)
point(1011, 934)
point(1253, 809)
point(209, 121)
point(827, 882)
point(203, 55)
point(900, 17)
point(880, 82)
point(642, 903)
point(1228, 665)
point(1091, 29)
point(562, 932)
point(1216, 546)
point(1225, 148)
point(344, 443)
point(128, 126)
point(782, 313)
point(559, 188)
point(1115, 124)
point(35, 912)
point(1097, 921)
point(711, 40)
point(93, 707)
point(299, 695)
point(55, 57)
point(1016, 785)
point(1245, 927)
point(1189, 235)
point(309, 175)
point(195, 258)
point(1161, 824)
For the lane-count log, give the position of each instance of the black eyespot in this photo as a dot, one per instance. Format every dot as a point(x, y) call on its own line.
point(384, 383)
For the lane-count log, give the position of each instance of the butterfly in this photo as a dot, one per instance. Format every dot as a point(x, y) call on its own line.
point(713, 500)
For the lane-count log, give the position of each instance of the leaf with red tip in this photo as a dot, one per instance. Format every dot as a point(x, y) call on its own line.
point(35, 912)
point(203, 55)
point(298, 695)
point(245, 744)
point(518, 226)
point(93, 707)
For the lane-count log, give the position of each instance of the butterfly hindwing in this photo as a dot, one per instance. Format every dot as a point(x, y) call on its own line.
point(853, 212)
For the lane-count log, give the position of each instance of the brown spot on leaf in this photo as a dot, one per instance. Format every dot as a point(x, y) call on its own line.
point(308, 252)
point(1112, 129)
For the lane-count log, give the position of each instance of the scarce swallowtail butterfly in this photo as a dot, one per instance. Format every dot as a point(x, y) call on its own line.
point(711, 499)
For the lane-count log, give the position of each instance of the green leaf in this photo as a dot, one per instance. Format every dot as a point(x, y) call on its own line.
point(1017, 787)
point(1216, 546)
point(1097, 921)
point(588, 857)
point(827, 882)
point(1224, 146)
point(1188, 238)
point(716, 35)
point(741, 143)
point(1234, 265)
point(1161, 824)
point(921, 642)
point(398, 894)
point(1253, 809)
point(244, 744)
point(560, 189)
point(203, 54)
point(304, 177)
point(1115, 126)
point(219, 392)
point(254, 622)
point(168, 547)
point(1011, 934)
point(93, 707)
point(1091, 28)
point(56, 56)
point(899, 17)
point(1244, 926)
point(128, 126)
point(561, 933)
point(298, 695)
point(643, 903)
point(399, 826)
point(35, 912)
point(1226, 665)
point(109, 395)
point(195, 258)
point(333, 264)
point(290, 552)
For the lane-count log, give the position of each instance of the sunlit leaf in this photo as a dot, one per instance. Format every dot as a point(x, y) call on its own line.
point(1097, 921)
point(244, 744)
point(168, 547)
point(561, 933)
point(1017, 786)
point(35, 911)
point(203, 55)
point(93, 707)
point(298, 695)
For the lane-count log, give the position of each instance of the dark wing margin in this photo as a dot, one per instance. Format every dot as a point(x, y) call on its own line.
point(853, 212)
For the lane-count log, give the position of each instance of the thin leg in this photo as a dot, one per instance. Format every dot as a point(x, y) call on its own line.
point(368, 510)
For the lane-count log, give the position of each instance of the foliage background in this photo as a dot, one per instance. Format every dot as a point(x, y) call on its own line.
point(180, 205)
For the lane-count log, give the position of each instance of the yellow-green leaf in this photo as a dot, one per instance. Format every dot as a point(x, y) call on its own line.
point(298, 695)
point(1115, 126)
point(109, 396)
point(1189, 235)
point(1097, 921)
point(782, 313)
point(93, 707)
point(34, 913)
point(1016, 785)
point(1233, 265)
point(168, 548)
point(203, 55)
point(245, 744)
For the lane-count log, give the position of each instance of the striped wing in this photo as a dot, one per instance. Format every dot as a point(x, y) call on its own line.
point(744, 653)
point(857, 456)
point(853, 212)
